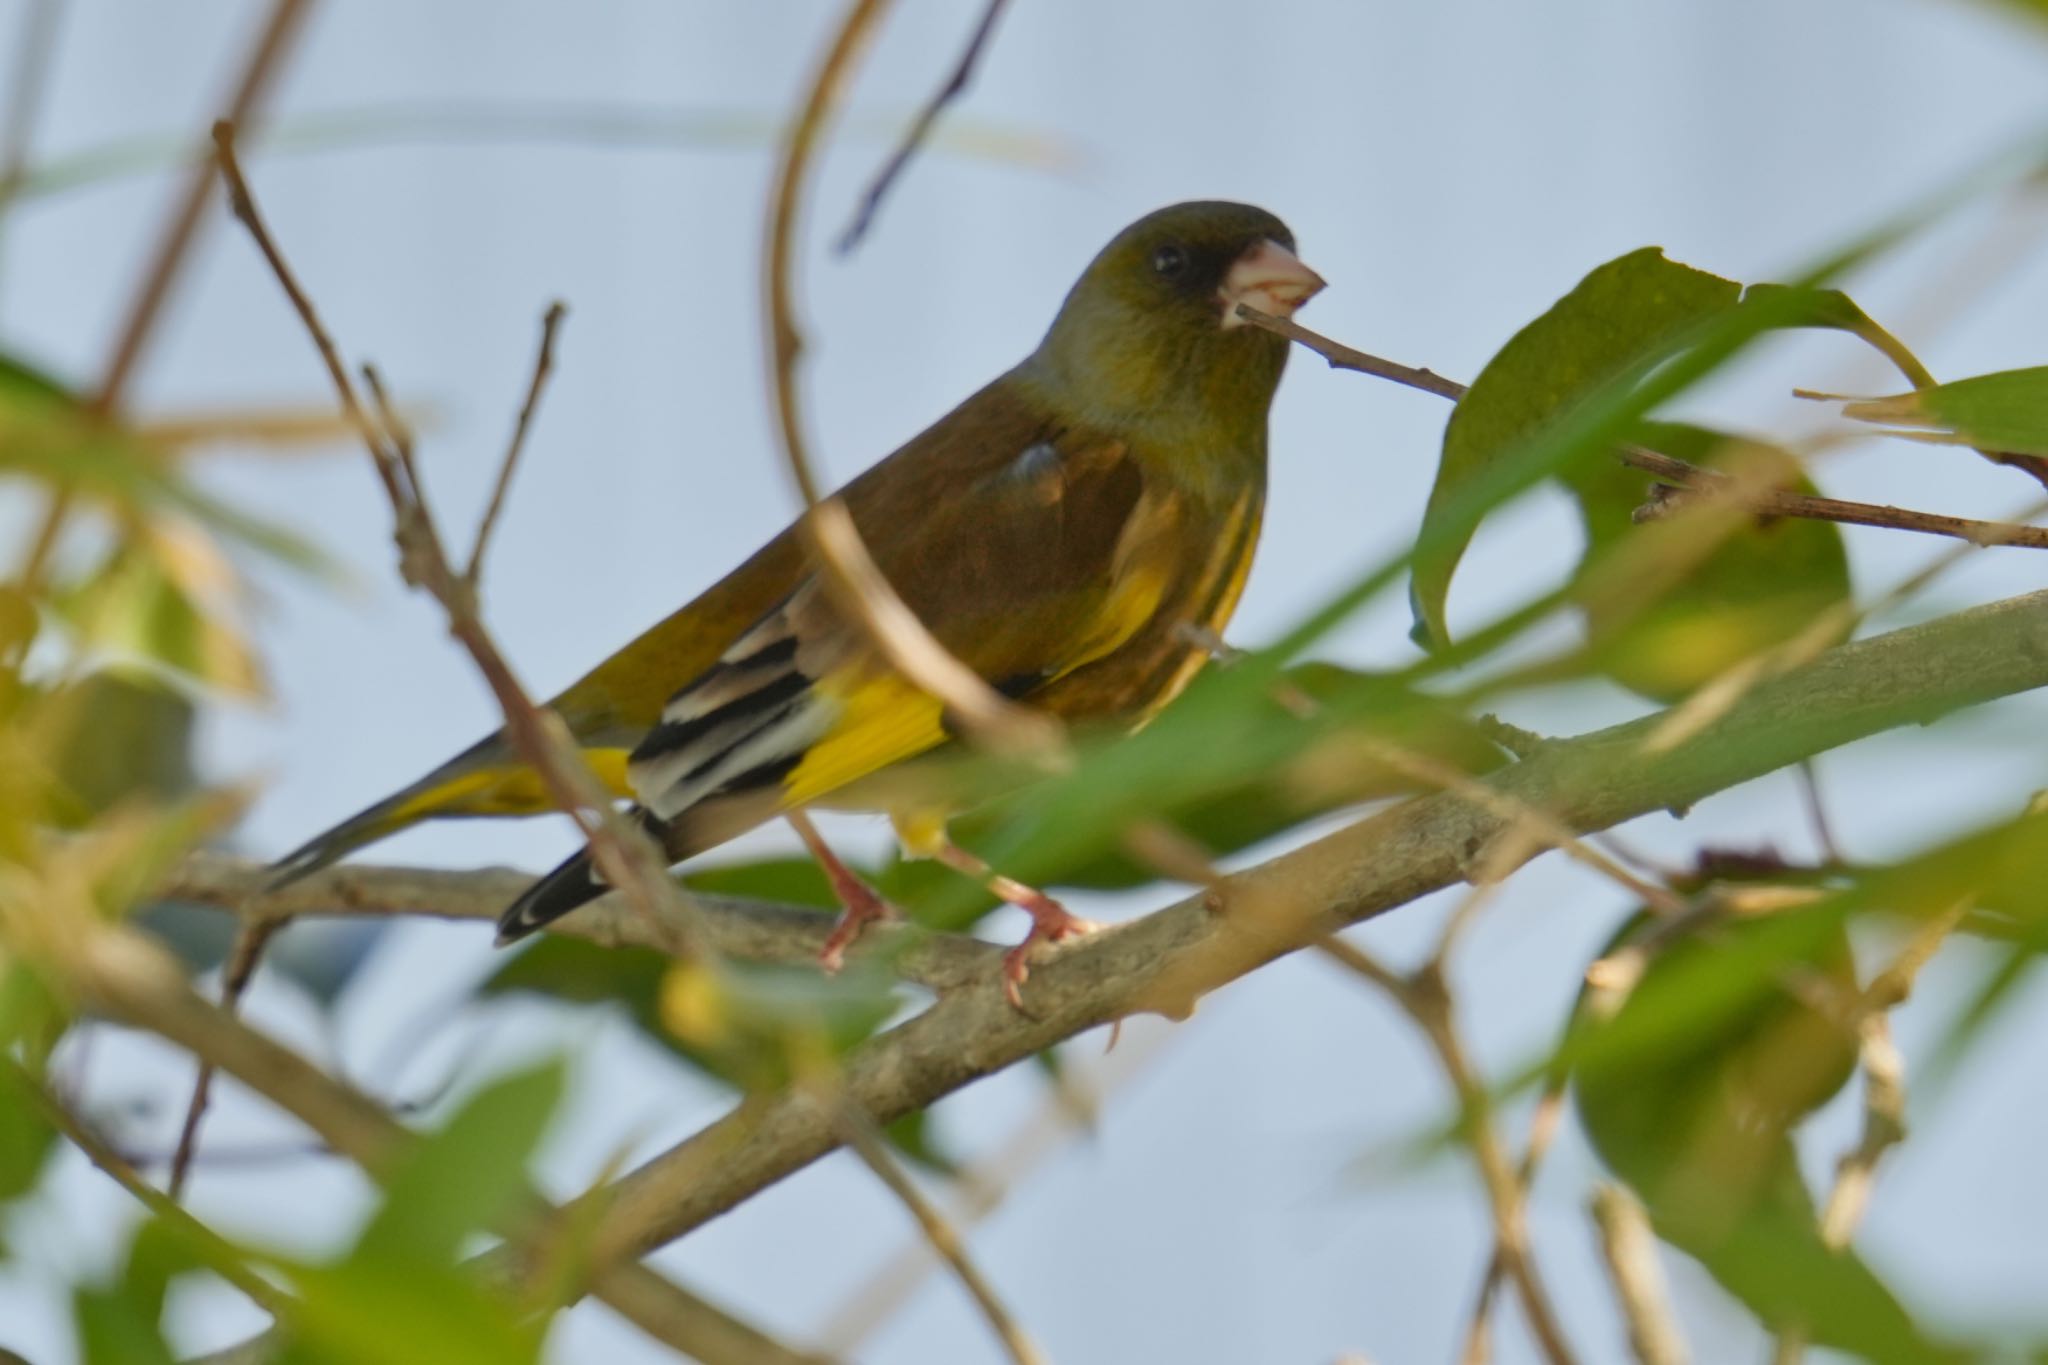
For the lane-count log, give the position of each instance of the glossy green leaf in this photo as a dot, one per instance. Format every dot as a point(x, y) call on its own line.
point(2006, 411)
point(1615, 326)
point(1621, 319)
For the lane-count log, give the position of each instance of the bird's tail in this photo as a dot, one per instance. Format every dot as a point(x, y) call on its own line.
point(575, 882)
point(474, 782)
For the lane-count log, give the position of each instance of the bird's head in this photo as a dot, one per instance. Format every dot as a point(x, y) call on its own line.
point(1150, 332)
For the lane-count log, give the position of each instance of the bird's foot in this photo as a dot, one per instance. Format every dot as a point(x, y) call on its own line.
point(862, 905)
point(1051, 922)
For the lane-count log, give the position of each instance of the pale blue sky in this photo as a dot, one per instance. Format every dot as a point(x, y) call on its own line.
point(1450, 168)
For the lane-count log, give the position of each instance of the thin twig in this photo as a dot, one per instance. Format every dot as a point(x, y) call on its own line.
point(920, 129)
point(1425, 997)
point(1694, 480)
point(984, 1186)
point(858, 1131)
point(1543, 1125)
point(1629, 1249)
point(1696, 483)
point(27, 80)
point(543, 365)
point(848, 570)
point(222, 1257)
point(623, 854)
point(235, 976)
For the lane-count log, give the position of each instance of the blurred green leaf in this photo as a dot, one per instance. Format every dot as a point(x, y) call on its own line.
point(121, 1324)
point(912, 1136)
point(2006, 411)
point(140, 604)
point(750, 1025)
point(1674, 602)
point(123, 735)
point(48, 434)
point(467, 1176)
point(401, 1294)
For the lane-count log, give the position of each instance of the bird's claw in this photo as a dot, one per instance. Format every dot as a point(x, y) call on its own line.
point(1051, 922)
point(862, 908)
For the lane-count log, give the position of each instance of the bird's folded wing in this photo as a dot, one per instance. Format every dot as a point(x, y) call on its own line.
point(1013, 564)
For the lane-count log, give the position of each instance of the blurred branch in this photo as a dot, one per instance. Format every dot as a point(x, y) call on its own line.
point(1629, 1249)
point(543, 366)
point(129, 978)
point(749, 930)
point(1424, 995)
point(856, 585)
point(34, 43)
point(1067, 1110)
point(1542, 1130)
point(623, 854)
point(920, 128)
point(222, 1257)
point(1692, 481)
point(172, 249)
point(1166, 961)
point(858, 1131)
point(243, 955)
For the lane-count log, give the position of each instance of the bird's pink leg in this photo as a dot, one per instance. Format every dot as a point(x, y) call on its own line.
point(1050, 921)
point(861, 903)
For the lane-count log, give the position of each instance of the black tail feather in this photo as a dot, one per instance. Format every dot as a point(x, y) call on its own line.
point(574, 883)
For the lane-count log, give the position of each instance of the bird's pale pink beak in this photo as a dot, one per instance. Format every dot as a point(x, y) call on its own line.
point(1271, 279)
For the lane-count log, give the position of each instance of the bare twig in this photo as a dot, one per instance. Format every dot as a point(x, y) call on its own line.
point(857, 586)
point(235, 975)
point(858, 1131)
point(985, 1185)
point(1543, 1124)
point(920, 128)
point(1695, 482)
point(1691, 478)
point(543, 365)
point(1630, 1250)
point(1424, 996)
point(623, 854)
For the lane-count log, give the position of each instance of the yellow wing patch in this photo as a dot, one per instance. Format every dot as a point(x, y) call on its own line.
point(883, 719)
point(505, 791)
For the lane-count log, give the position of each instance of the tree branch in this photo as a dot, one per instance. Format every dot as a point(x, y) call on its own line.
point(1166, 961)
point(735, 927)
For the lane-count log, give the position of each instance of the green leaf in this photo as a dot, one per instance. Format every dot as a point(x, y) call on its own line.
point(1674, 602)
point(1621, 319)
point(1618, 324)
point(2006, 411)
point(466, 1177)
point(123, 735)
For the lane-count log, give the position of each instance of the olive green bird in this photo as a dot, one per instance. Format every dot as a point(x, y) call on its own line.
point(1072, 533)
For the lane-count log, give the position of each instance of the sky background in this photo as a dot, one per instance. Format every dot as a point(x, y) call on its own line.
point(1450, 168)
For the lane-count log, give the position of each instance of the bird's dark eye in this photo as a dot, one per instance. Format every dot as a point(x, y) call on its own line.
point(1170, 260)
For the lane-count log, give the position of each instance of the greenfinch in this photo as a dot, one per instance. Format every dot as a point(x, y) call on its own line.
point(1072, 533)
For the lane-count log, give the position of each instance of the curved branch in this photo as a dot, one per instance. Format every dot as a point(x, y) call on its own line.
point(1166, 961)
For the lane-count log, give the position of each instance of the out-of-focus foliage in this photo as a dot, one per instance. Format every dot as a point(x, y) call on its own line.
point(2007, 411)
point(1673, 602)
